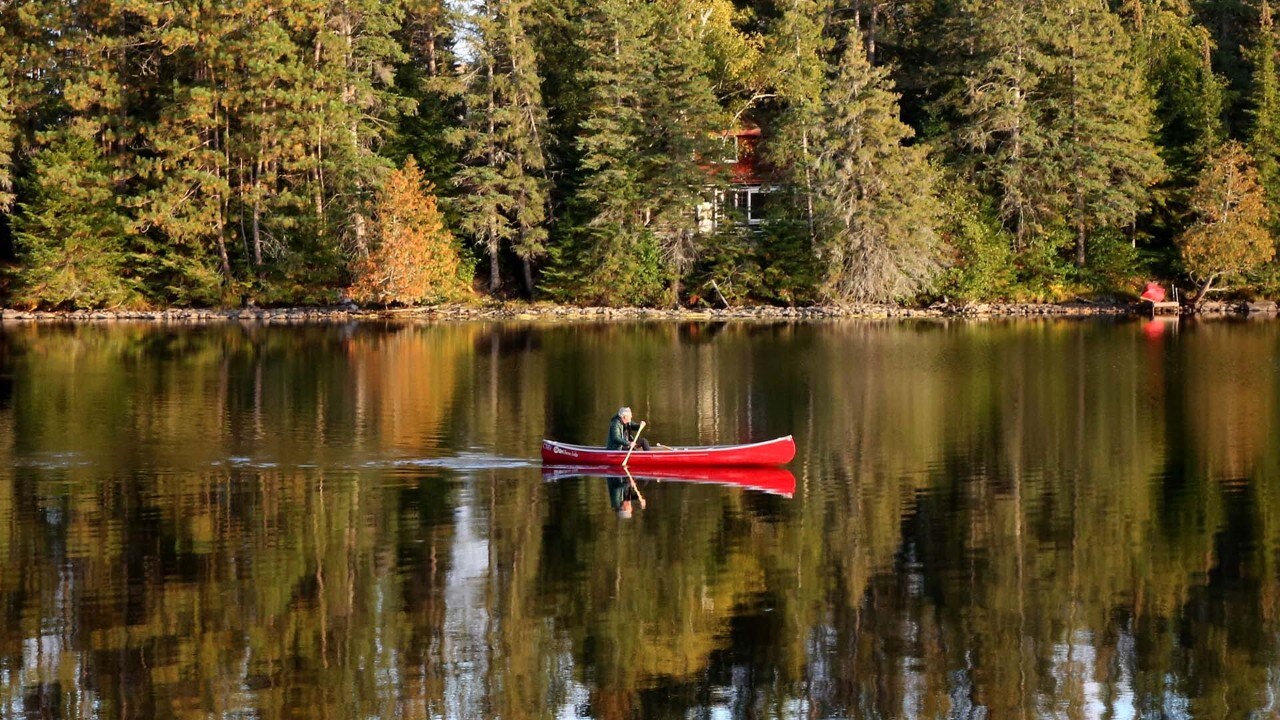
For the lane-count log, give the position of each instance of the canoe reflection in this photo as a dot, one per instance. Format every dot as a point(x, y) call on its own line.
point(773, 480)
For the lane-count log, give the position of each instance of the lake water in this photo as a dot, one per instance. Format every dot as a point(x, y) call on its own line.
point(1075, 519)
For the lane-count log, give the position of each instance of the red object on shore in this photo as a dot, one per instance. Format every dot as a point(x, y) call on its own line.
point(1154, 292)
point(773, 480)
point(770, 452)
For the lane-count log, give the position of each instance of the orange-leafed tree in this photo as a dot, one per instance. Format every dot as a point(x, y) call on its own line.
point(413, 259)
point(1229, 236)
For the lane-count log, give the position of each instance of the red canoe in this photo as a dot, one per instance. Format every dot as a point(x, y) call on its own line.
point(770, 452)
point(773, 480)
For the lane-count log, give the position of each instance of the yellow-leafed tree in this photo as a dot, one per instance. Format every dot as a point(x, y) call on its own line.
point(1229, 236)
point(413, 259)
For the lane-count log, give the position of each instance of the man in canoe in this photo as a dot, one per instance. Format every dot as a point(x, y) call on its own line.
point(622, 432)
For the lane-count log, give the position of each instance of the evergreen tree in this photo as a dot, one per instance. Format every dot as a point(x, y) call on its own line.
point(259, 142)
point(1106, 160)
point(70, 231)
point(187, 168)
point(1229, 237)
point(7, 133)
point(612, 255)
point(356, 53)
point(1264, 133)
point(429, 79)
point(684, 125)
point(876, 200)
point(797, 48)
point(413, 259)
point(504, 186)
point(1230, 24)
point(1000, 131)
point(1189, 100)
point(1175, 51)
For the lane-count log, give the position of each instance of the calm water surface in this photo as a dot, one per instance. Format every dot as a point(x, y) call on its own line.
point(985, 520)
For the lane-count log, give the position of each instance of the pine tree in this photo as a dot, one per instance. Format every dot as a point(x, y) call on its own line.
point(69, 229)
point(1175, 52)
point(1264, 133)
point(505, 190)
point(1189, 101)
point(797, 49)
point(356, 53)
point(429, 79)
point(612, 255)
point(1106, 159)
point(1229, 236)
point(1230, 24)
point(684, 125)
point(186, 168)
point(876, 200)
point(7, 133)
point(1000, 131)
point(413, 259)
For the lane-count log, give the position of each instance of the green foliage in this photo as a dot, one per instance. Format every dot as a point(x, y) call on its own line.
point(733, 261)
point(1115, 263)
point(246, 141)
point(1106, 154)
point(981, 266)
point(797, 48)
point(1052, 116)
point(1264, 134)
point(651, 121)
point(792, 273)
point(504, 185)
point(608, 265)
point(876, 208)
point(70, 232)
point(1191, 100)
point(999, 129)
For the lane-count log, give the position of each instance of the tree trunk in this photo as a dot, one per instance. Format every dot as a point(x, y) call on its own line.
point(1203, 293)
point(871, 32)
point(1079, 169)
point(495, 243)
point(495, 276)
point(257, 216)
point(808, 187)
point(1020, 224)
point(1080, 228)
point(358, 224)
point(527, 267)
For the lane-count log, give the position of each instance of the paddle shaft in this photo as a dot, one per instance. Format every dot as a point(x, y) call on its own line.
point(631, 449)
point(632, 481)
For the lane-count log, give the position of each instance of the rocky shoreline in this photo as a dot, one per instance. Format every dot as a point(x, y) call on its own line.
point(522, 311)
point(516, 311)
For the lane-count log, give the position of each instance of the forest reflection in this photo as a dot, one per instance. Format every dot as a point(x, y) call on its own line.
point(1000, 520)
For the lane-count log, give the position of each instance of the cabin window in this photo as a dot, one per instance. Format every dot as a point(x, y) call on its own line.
point(730, 150)
point(750, 202)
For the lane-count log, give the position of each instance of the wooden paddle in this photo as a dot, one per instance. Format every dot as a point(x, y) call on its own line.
point(632, 480)
point(627, 459)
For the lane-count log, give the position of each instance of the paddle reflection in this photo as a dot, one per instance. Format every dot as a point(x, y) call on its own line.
point(772, 480)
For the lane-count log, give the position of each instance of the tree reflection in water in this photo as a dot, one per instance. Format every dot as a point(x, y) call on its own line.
point(985, 520)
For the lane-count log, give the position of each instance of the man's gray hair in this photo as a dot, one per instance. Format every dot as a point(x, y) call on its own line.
point(623, 410)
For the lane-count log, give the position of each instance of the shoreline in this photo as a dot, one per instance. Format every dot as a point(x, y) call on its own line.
point(517, 311)
point(527, 312)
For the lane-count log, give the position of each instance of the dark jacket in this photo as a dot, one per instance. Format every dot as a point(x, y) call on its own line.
point(620, 434)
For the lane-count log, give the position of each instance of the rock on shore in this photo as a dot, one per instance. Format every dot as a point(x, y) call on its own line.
point(518, 311)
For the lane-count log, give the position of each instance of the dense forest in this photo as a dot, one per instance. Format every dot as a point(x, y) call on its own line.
point(193, 152)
